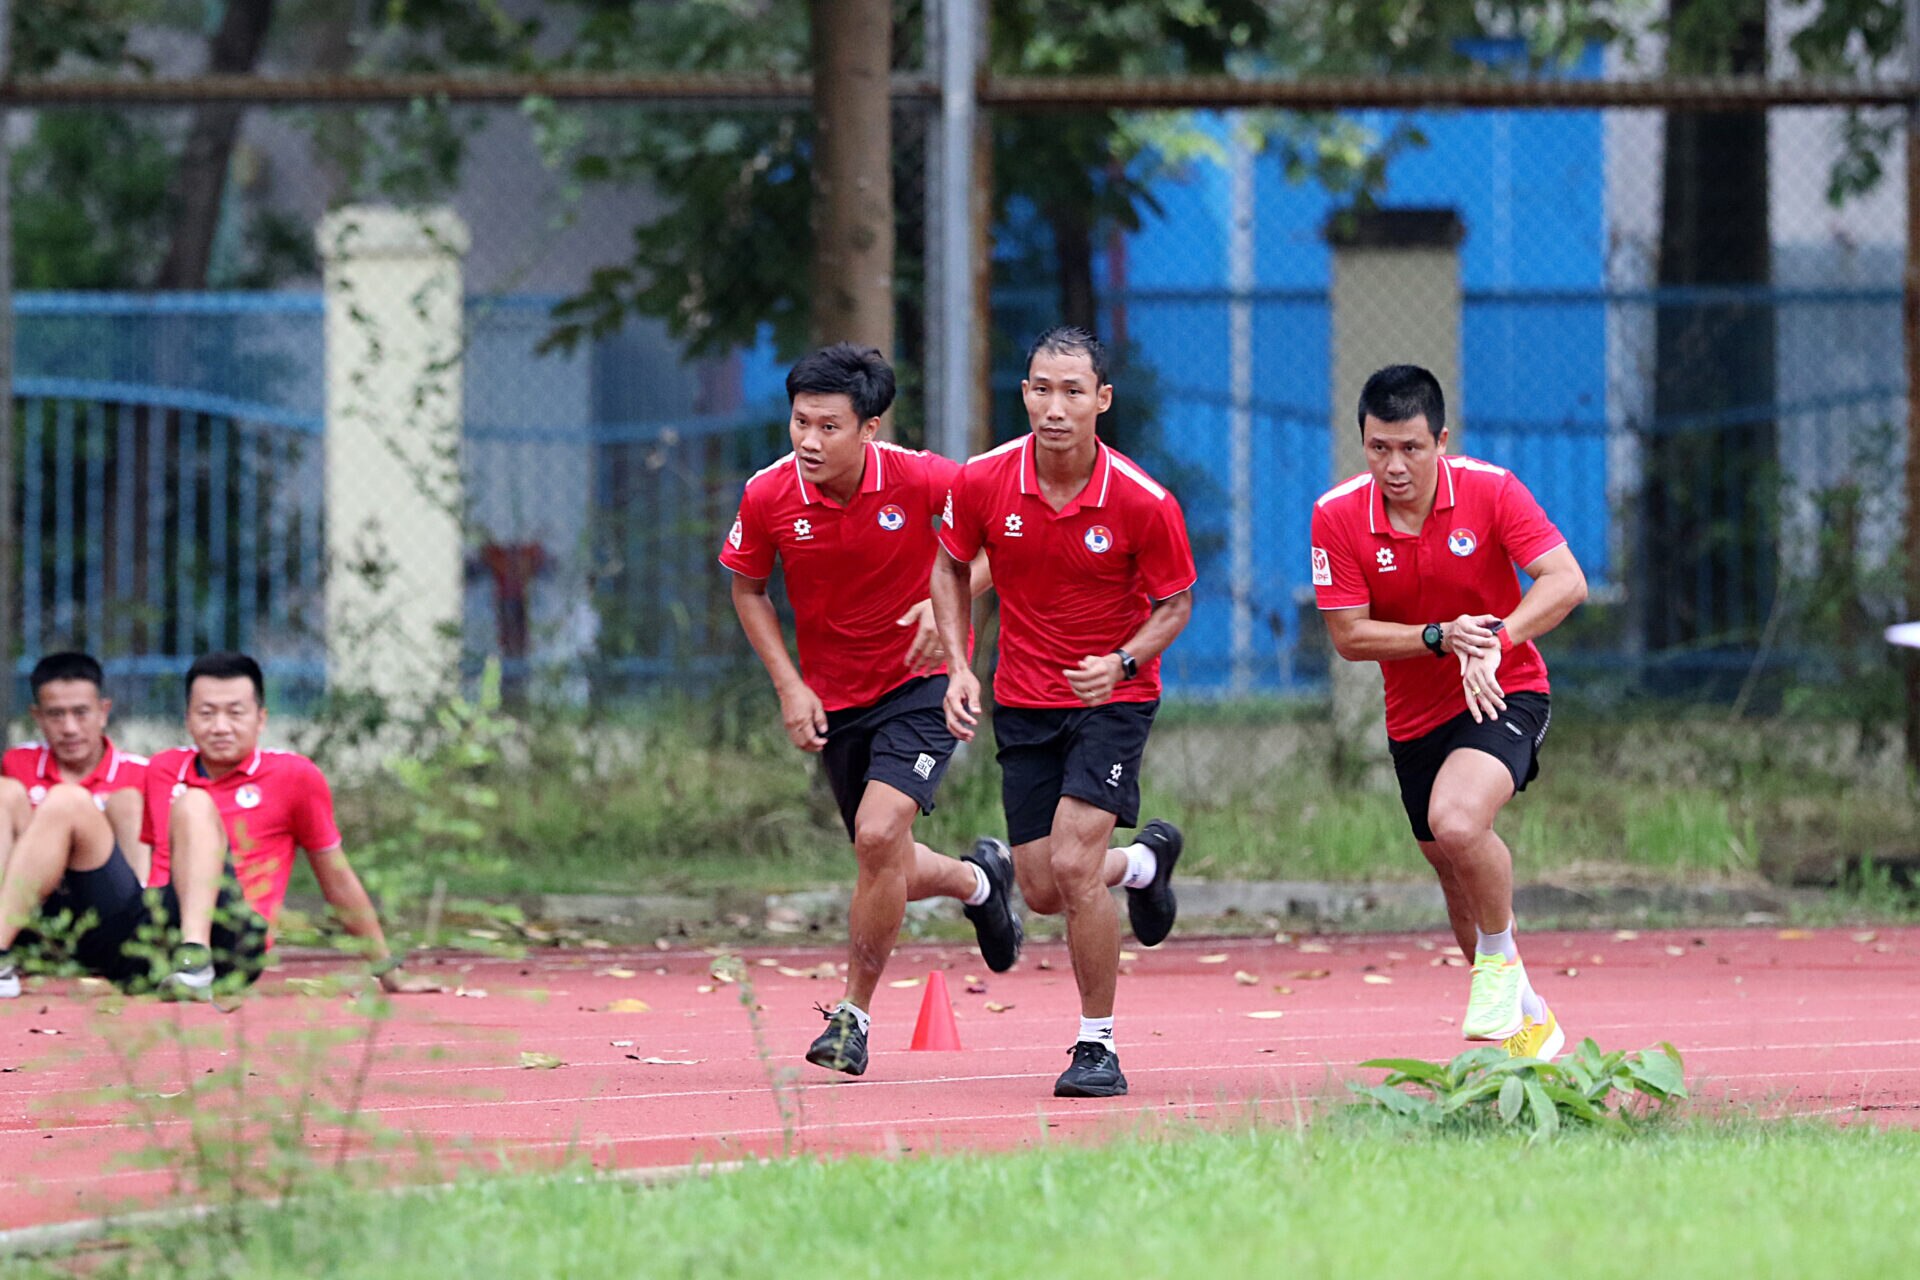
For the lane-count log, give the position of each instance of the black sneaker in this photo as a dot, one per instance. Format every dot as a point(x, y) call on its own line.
point(1095, 1073)
point(843, 1045)
point(1151, 910)
point(995, 923)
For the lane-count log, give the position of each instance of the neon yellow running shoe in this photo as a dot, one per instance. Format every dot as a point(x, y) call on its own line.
point(1540, 1040)
point(1493, 1003)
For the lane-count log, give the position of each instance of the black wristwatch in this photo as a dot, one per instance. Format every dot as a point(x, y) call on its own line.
point(1432, 635)
point(1129, 668)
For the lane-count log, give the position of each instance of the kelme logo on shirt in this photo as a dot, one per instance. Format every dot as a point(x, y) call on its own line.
point(1384, 558)
point(803, 530)
point(892, 518)
point(1461, 542)
point(1013, 527)
point(247, 797)
point(1099, 539)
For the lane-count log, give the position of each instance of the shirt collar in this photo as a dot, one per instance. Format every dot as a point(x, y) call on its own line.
point(190, 769)
point(871, 482)
point(1099, 484)
point(1443, 500)
point(48, 770)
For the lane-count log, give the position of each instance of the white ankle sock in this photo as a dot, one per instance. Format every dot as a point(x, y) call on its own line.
point(982, 887)
point(859, 1015)
point(1142, 865)
point(1097, 1030)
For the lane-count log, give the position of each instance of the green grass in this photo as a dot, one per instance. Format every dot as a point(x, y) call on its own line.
point(1342, 1198)
point(659, 806)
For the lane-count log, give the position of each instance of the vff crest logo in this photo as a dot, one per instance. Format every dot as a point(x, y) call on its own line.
point(1462, 542)
point(892, 518)
point(1099, 539)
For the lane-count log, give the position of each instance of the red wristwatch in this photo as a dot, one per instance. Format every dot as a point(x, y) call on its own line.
point(1499, 628)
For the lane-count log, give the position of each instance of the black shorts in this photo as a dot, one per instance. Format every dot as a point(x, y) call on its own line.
point(1514, 740)
point(123, 933)
point(1089, 753)
point(901, 740)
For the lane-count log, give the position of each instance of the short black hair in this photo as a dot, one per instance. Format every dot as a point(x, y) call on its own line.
point(1401, 393)
point(861, 374)
point(226, 665)
point(67, 665)
point(1072, 340)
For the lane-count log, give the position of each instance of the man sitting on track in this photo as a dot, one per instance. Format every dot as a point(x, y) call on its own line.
point(851, 521)
point(71, 709)
point(266, 802)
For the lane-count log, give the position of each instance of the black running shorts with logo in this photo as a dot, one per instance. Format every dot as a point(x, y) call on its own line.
point(901, 740)
point(1514, 740)
point(1089, 753)
point(126, 929)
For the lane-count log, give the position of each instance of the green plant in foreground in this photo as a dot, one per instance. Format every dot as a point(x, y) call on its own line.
point(1484, 1086)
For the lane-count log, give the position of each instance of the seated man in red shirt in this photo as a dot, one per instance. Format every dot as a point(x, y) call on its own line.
point(266, 803)
point(71, 708)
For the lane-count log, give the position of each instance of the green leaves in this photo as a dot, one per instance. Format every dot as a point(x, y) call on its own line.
point(1484, 1086)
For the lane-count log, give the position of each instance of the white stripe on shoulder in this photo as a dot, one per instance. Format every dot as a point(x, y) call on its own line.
point(1018, 442)
point(891, 447)
point(1344, 488)
point(1474, 464)
point(771, 467)
point(1138, 476)
point(127, 757)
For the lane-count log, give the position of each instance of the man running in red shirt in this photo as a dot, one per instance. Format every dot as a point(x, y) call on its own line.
point(1095, 576)
point(1413, 563)
point(851, 522)
point(264, 804)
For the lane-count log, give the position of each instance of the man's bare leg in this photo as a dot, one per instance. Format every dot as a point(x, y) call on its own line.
point(68, 833)
point(16, 811)
point(197, 846)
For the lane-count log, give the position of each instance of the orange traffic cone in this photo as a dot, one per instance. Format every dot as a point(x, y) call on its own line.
point(936, 1028)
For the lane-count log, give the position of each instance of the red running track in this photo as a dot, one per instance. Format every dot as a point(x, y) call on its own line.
point(1778, 1021)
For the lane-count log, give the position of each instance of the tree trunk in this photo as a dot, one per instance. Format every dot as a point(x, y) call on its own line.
point(852, 173)
point(200, 184)
point(1073, 250)
point(1709, 512)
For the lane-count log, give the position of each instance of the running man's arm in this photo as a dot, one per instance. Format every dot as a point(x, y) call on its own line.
point(927, 651)
point(951, 590)
point(1098, 674)
point(341, 887)
point(801, 710)
point(1559, 586)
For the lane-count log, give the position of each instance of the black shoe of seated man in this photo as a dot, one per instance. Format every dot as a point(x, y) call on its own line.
point(1095, 1073)
point(1151, 910)
point(842, 1046)
point(995, 922)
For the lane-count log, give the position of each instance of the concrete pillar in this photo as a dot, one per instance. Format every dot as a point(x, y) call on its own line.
point(1395, 300)
point(394, 316)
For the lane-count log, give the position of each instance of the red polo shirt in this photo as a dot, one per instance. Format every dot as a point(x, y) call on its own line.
point(272, 803)
point(32, 765)
point(1483, 523)
point(851, 571)
point(1072, 582)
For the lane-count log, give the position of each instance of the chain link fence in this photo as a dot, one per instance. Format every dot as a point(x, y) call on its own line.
point(1687, 343)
